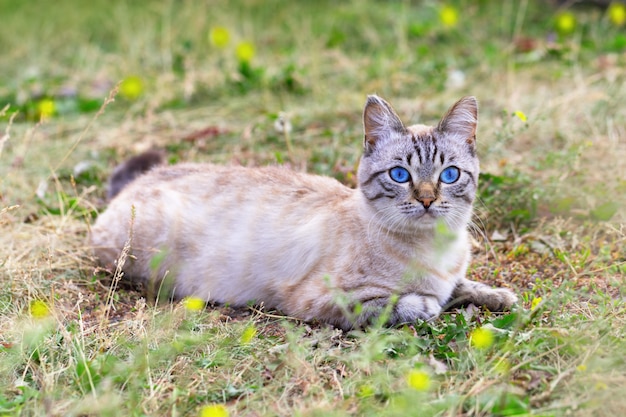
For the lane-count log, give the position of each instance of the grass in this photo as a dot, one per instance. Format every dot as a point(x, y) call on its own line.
point(550, 218)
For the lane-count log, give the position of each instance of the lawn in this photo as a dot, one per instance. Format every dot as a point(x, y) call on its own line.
point(85, 85)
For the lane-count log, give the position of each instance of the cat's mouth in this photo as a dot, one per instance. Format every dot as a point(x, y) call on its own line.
point(424, 214)
point(429, 215)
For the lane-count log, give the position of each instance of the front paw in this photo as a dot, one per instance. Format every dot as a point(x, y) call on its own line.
point(495, 299)
point(411, 307)
point(500, 299)
point(407, 309)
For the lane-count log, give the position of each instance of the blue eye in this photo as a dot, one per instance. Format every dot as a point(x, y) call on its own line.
point(399, 174)
point(450, 175)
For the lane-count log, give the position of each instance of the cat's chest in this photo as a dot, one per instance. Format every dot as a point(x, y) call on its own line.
point(435, 271)
point(425, 260)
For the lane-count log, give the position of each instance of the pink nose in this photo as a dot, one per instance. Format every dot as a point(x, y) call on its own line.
point(426, 202)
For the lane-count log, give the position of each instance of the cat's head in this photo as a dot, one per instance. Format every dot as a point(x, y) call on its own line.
point(416, 176)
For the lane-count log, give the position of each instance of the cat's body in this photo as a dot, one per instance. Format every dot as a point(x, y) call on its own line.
point(299, 242)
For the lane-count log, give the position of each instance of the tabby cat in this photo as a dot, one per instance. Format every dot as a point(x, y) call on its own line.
point(308, 245)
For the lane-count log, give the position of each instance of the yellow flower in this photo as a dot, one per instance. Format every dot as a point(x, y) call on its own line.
point(565, 23)
point(248, 334)
point(449, 16)
point(193, 303)
point(520, 115)
point(365, 391)
point(213, 410)
point(131, 87)
point(536, 301)
point(418, 380)
point(245, 51)
point(601, 386)
point(581, 368)
point(617, 14)
point(46, 108)
point(219, 37)
point(38, 309)
point(481, 338)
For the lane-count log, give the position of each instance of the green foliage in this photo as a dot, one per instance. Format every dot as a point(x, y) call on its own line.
point(67, 206)
point(508, 199)
point(605, 211)
point(249, 77)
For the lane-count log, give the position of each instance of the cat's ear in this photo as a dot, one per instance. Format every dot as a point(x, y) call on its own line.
point(379, 121)
point(461, 119)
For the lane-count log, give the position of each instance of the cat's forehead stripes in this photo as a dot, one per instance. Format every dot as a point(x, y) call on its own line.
point(416, 149)
point(426, 149)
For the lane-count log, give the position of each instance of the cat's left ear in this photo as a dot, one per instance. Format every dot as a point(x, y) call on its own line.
point(379, 122)
point(461, 119)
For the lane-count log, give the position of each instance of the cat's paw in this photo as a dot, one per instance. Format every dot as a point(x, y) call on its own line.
point(407, 309)
point(499, 299)
point(411, 307)
point(479, 294)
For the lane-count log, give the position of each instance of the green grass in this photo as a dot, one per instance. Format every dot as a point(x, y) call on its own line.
point(550, 220)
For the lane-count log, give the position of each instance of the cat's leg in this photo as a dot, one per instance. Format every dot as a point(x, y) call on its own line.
point(407, 309)
point(411, 307)
point(495, 299)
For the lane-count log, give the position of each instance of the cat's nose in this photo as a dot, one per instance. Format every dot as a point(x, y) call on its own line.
point(425, 194)
point(426, 201)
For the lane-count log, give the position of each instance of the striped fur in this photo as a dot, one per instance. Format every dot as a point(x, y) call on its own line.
point(307, 245)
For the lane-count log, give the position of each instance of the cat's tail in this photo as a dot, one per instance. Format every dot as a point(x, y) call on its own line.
point(127, 171)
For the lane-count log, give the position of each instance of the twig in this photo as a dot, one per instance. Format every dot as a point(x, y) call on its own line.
point(6, 135)
point(119, 272)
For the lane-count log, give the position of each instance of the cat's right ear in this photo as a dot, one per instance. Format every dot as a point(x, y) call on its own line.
point(379, 122)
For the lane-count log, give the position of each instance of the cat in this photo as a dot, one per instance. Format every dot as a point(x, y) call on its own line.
point(307, 245)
